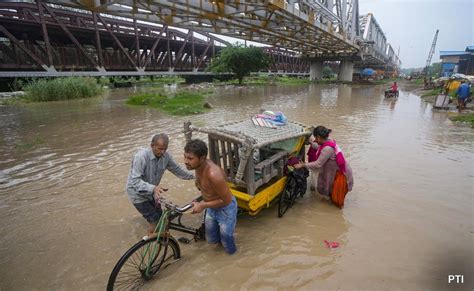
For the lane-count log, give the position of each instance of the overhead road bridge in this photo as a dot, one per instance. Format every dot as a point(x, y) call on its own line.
point(305, 34)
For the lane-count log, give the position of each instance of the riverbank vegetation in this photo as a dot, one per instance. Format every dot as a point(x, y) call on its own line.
point(118, 82)
point(430, 96)
point(179, 103)
point(42, 90)
point(418, 81)
point(433, 92)
point(265, 80)
point(467, 118)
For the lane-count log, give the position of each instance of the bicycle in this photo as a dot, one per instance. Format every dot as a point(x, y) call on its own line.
point(151, 255)
point(295, 185)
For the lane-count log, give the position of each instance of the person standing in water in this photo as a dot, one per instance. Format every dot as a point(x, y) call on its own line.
point(335, 175)
point(143, 183)
point(220, 204)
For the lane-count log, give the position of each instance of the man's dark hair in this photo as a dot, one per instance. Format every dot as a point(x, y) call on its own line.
point(196, 147)
point(162, 136)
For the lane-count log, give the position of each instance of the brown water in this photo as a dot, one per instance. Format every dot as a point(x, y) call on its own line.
point(407, 225)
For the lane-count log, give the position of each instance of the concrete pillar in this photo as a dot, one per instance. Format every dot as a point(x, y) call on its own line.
point(345, 71)
point(316, 70)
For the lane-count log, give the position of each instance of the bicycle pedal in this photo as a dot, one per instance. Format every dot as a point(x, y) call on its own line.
point(184, 240)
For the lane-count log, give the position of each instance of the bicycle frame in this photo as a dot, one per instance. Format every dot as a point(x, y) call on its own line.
point(177, 213)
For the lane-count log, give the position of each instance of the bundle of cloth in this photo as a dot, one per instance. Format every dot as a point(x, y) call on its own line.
point(270, 119)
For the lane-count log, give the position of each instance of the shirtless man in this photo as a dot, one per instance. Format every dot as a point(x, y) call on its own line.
point(221, 214)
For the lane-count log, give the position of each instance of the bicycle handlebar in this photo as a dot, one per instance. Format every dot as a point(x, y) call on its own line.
point(175, 207)
point(182, 209)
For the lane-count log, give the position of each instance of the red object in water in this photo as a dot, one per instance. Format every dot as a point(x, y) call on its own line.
point(331, 244)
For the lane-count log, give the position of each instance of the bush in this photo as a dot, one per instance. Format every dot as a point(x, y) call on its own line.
point(42, 90)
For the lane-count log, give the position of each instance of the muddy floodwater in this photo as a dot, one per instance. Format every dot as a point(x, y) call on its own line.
point(65, 219)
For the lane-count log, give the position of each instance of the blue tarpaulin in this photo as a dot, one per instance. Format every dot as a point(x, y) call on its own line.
point(367, 72)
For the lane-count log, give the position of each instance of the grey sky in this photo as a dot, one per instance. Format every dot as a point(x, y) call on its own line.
point(412, 26)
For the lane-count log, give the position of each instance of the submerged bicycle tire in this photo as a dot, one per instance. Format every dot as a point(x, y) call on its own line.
point(287, 197)
point(130, 272)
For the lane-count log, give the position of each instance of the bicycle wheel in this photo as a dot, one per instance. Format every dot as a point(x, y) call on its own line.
point(287, 197)
point(130, 272)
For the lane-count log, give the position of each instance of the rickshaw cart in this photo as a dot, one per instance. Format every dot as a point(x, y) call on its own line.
point(254, 158)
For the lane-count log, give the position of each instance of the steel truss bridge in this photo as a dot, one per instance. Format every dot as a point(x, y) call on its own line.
point(140, 37)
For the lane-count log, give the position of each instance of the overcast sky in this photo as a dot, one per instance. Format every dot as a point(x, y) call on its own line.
point(411, 24)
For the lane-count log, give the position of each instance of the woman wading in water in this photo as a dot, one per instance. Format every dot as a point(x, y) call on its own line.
point(335, 176)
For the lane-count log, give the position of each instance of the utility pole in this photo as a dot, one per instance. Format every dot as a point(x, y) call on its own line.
point(430, 55)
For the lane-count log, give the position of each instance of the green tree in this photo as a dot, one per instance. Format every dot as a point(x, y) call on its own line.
point(435, 70)
point(239, 60)
point(327, 72)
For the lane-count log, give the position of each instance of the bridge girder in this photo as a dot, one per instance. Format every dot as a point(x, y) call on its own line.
point(312, 28)
point(376, 52)
point(84, 43)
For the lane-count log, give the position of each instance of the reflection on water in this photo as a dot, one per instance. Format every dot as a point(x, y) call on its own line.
point(63, 207)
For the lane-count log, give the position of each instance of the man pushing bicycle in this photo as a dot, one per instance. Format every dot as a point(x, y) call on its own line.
point(221, 205)
point(148, 167)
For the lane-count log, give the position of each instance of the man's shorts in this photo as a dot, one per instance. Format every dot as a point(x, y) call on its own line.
point(151, 213)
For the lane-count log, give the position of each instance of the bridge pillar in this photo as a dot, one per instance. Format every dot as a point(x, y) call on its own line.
point(316, 70)
point(345, 71)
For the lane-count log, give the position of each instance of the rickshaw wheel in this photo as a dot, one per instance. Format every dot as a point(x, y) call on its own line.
point(287, 196)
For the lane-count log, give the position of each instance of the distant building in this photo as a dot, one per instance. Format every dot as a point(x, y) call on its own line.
point(461, 62)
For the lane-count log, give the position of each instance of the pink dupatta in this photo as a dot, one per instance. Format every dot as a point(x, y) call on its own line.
point(340, 160)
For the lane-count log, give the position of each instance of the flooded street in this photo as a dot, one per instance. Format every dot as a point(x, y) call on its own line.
point(65, 218)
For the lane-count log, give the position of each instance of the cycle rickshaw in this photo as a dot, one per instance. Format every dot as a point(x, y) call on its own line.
point(255, 159)
point(390, 94)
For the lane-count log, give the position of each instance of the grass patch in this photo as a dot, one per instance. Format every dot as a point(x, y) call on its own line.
point(42, 90)
point(335, 81)
point(181, 103)
point(363, 81)
point(433, 92)
point(292, 80)
point(468, 118)
point(385, 81)
point(248, 81)
point(419, 81)
point(265, 80)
